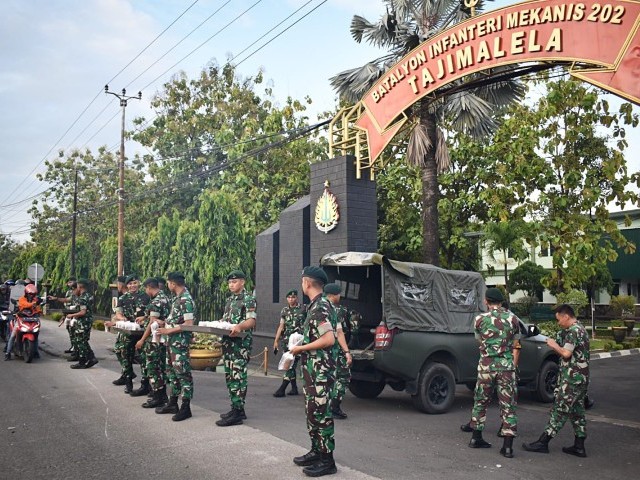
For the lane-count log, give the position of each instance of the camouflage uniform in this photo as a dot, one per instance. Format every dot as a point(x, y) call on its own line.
point(82, 328)
point(178, 362)
point(237, 350)
point(128, 305)
point(343, 372)
point(573, 381)
point(318, 370)
point(292, 318)
point(155, 352)
point(496, 330)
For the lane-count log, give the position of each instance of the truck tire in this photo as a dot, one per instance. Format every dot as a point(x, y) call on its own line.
point(436, 389)
point(364, 389)
point(547, 379)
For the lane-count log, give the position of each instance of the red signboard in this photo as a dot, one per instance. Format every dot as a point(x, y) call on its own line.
point(603, 35)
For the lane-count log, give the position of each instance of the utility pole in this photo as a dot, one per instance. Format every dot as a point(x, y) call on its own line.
point(123, 103)
point(73, 225)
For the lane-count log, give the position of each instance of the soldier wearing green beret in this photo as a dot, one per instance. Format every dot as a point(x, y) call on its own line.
point(318, 358)
point(343, 361)
point(291, 319)
point(572, 345)
point(497, 331)
point(182, 312)
point(240, 310)
point(82, 327)
point(129, 305)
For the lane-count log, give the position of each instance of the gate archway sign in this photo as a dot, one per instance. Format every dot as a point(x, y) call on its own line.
point(600, 40)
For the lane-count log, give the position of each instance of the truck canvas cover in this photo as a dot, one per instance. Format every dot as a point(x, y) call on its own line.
point(421, 297)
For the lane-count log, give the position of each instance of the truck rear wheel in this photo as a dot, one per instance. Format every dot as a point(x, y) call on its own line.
point(436, 389)
point(547, 379)
point(364, 389)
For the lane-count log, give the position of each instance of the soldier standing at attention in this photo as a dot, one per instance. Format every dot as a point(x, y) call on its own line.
point(178, 362)
point(129, 304)
point(318, 369)
point(496, 331)
point(153, 345)
point(82, 329)
point(343, 372)
point(240, 310)
point(571, 388)
point(291, 320)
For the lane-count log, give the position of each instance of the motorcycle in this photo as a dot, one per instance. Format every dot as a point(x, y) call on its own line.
point(27, 328)
point(5, 318)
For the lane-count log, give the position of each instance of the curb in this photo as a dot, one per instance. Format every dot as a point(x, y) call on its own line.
point(617, 353)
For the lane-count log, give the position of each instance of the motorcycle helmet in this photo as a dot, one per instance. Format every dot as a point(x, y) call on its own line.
point(30, 289)
point(10, 282)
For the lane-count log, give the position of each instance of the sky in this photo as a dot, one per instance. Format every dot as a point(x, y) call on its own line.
point(57, 55)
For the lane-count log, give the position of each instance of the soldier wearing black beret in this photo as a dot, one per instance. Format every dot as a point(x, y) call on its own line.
point(291, 319)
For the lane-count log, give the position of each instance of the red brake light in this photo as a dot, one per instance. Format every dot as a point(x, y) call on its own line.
point(383, 338)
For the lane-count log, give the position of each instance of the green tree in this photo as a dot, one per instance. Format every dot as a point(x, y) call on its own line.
point(506, 238)
point(528, 277)
point(571, 172)
point(405, 25)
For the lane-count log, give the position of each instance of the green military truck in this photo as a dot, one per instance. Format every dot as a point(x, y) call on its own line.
point(416, 331)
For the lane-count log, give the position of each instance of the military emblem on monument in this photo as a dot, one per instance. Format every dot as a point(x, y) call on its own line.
point(327, 214)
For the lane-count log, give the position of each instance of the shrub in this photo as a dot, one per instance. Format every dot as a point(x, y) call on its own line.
point(56, 316)
point(576, 298)
point(524, 305)
point(623, 305)
point(204, 341)
point(550, 329)
point(616, 323)
point(98, 325)
point(608, 346)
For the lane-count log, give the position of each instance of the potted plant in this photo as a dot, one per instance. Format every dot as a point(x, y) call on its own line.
point(205, 351)
point(625, 306)
point(619, 330)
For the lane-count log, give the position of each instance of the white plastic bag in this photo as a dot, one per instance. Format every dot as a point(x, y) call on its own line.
point(286, 361)
point(295, 339)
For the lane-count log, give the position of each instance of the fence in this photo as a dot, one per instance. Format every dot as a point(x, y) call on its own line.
point(209, 299)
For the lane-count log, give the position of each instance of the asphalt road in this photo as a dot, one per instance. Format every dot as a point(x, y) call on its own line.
point(59, 423)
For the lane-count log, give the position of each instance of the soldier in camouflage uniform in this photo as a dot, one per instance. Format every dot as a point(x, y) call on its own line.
point(571, 389)
point(182, 312)
point(129, 305)
point(240, 310)
point(157, 312)
point(343, 331)
point(82, 327)
point(291, 319)
point(496, 331)
point(318, 368)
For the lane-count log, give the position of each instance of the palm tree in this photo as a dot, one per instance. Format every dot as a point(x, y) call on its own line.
point(506, 238)
point(466, 106)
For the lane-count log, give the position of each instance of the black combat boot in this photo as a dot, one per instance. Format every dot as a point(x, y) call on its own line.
point(171, 407)
point(230, 412)
point(294, 388)
point(577, 449)
point(280, 392)
point(128, 385)
point(92, 360)
point(158, 399)
point(477, 441)
point(82, 364)
point(466, 427)
point(507, 447)
point(588, 403)
point(120, 381)
point(184, 412)
point(326, 466)
point(143, 390)
point(234, 419)
point(308, 458)
point(73, 357)
point(336, 411)
point(539, 446)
